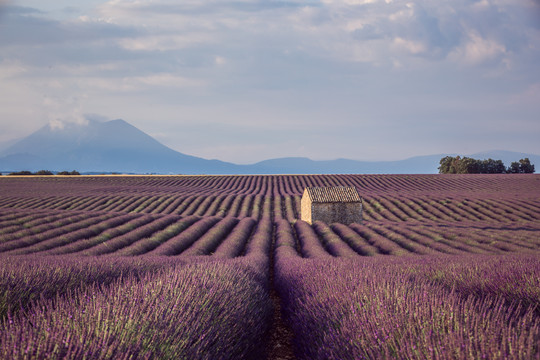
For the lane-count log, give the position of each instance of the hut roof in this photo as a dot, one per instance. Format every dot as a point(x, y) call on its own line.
point(333, 194)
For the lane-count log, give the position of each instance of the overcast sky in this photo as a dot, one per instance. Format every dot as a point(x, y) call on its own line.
point(249, 80)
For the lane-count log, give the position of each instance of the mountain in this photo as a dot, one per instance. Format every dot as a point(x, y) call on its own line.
point(116, 146)
point(6, 144)
point(427, 164)
point(297, 165)
point(112, 146)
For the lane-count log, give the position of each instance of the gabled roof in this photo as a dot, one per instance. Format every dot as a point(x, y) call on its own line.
point(333, 194)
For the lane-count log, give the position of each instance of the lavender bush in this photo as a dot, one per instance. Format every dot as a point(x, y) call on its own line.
point(310, 245)
point(333, 243)
point(147, 244)
point(261, 241)
point(383, 245)
point(285, 245)
point(50, 230)
point(81, 245)
point(198, 311)
point(235, 242)
point(32, 278)
point(384, 308)
point(84, 233)
point(182, 241)
point(120, 242)
point(211, 239)
point(355, 241)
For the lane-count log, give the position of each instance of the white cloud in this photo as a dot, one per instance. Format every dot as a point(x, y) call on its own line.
point(404, 12)
point(164, 80)
point(164, 42)
point(140, 83)
point(220, 60)
point(349, 2)
point(477, 50)
point(56, 124)
point(481, 5)
point(413, 47)
point(63, 111)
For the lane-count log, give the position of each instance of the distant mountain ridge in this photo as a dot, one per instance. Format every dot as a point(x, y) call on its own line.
point(117, 146)
point(112, 146)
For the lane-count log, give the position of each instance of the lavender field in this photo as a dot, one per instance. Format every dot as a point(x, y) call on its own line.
point(221, 267)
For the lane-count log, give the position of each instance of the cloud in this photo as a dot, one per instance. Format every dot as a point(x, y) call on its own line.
point(412, 47)
point(324, 29)
point(165, 42)
point(20, 10)
point(371, 67)
point(375, 32)
point(26, 27)
point(220, 60)
point(477, 50)
point(133, 84)
point(63, 111)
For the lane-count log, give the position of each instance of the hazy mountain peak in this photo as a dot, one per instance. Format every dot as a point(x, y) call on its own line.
point(119, 121)
point(94, 145)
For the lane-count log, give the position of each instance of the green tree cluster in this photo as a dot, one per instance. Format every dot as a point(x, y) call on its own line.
point(524, 166)
point(44, 172)
point(24, 172)
point(466, 165)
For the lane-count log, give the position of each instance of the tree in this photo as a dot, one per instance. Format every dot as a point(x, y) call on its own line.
point(525, 166)
point(499, 167)
point(446, 165)
point(24, 172)
point(458, 165)
point(43, 172)
point(513, 168)
point(491, 166)
point(74, 172)
point(468, 166)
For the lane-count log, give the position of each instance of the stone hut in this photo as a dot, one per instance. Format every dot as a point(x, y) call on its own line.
point(340, 204)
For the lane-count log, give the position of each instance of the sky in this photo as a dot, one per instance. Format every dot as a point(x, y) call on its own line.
point(249, 80)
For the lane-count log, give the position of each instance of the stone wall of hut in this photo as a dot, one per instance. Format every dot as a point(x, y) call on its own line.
point(342, 212)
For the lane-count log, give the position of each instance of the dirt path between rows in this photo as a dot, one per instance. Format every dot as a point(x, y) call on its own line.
point(280, 343)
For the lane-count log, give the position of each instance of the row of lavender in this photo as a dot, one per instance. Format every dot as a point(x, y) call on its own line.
point(269, 185)
point(442, 307)
point(33, 277)
point(380, 208)
point(27, 232)
point(222, 205)
point(137, 307)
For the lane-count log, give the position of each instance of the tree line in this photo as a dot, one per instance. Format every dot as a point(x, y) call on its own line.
point(44, 172)
point(466, 165)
